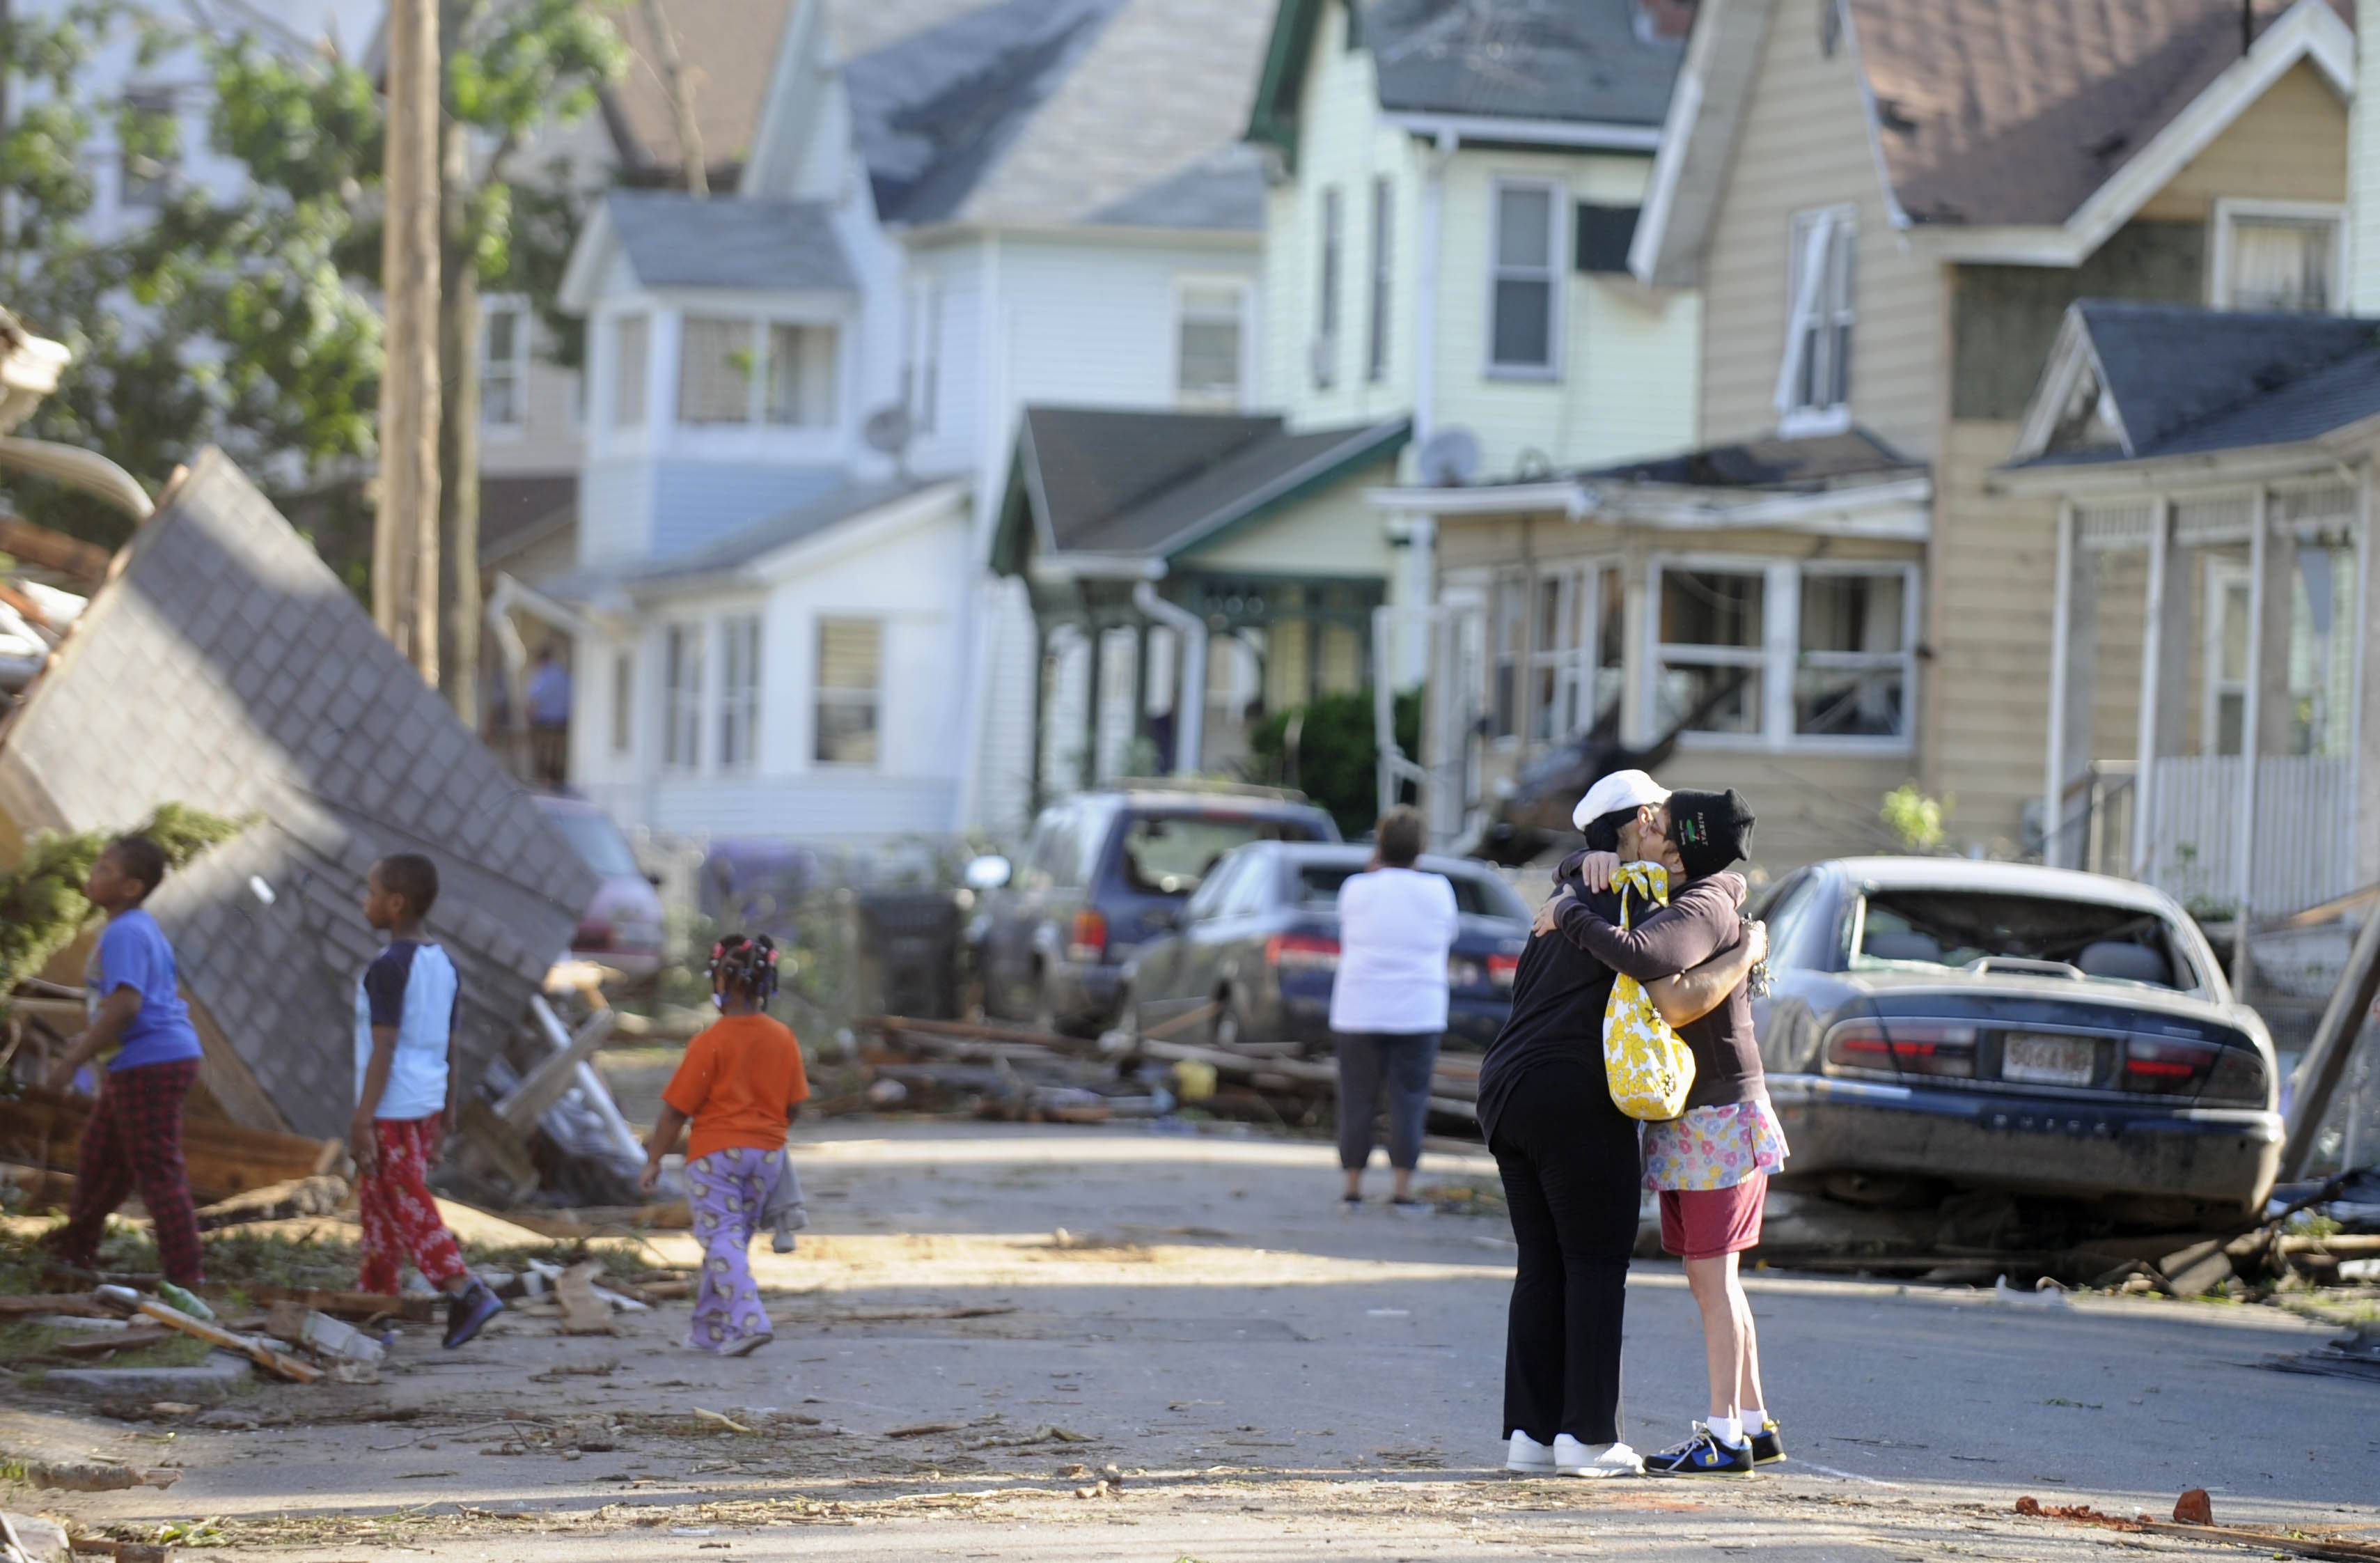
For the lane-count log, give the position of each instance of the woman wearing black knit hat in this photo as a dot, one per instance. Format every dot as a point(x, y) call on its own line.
point(1710, 1165)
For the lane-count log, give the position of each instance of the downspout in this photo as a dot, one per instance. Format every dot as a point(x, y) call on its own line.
point(1433, 202)
point(1189, 731)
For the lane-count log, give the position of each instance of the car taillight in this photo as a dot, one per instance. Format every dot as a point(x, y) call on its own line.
point(592, 935)
point(1502, 970)
point(2238, 1077)
point(1300, 952)
point(1088, 941)
point(1909, 1047)
point(2165, 1067)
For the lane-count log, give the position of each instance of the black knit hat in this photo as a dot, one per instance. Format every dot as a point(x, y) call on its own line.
point(1711, 829)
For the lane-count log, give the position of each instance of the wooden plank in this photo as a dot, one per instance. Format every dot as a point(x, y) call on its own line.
point(44, 1129)
point(583, 1313)
point(263, 1356)
point(350, 1304)
point(553, 1077)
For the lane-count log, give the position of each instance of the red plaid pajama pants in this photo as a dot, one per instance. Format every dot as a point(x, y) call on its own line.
point(400, 1219)
point(135, 1137)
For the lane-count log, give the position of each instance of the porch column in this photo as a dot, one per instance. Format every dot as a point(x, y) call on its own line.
point(1144, 687)
point(2073, 655)
point(2252, 731)
point(2365, 817)
point(1093, 691)
point(1036, 784)
point(2165, 677)
point(1636, 633)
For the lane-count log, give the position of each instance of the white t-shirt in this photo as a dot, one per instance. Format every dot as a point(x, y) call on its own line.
point(1395, 928)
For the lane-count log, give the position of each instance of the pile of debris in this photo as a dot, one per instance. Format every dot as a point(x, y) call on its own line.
point(1041, 1077)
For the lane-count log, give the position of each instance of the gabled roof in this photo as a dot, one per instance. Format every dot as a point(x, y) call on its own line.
point(1526, 70)
point(728, 49)
point(2010, 130)
point(1041, 111)
point(847, 501)
point(671, 239)
point(1145, 486)
point(2159, 380)
point(1224, 189)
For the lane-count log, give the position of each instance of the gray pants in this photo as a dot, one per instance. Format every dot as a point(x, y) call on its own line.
point(1403, 1060)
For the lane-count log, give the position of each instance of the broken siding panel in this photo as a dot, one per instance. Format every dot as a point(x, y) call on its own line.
point(2004, 320)
point(1803, 145)
point(2289, 145)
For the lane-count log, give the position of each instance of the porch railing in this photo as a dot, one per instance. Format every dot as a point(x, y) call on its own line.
point(2303, 854)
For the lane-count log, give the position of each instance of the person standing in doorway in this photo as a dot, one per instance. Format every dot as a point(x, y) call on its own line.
point(1387, 1004)
point(548, 718)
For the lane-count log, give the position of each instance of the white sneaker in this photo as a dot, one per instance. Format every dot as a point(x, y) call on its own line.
point(1595, 1462)
point(1527, 1454)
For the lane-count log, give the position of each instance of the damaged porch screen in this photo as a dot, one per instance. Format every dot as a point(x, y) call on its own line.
point(1853, 677)
point(1575, 668)
point(1712, 628)
point(682, 703)
point(745, 372)
point(850, 679)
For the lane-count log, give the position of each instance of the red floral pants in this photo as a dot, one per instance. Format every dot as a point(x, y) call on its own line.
point(400, 1219)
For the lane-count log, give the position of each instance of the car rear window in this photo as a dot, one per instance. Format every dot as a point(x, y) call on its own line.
point(1955, 928)
point(1169, 854)
point(1474, 895)
point(597, 841)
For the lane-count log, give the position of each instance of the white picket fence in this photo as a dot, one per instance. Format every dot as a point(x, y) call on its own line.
point(2304, 854)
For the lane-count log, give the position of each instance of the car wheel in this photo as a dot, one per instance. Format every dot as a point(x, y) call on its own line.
point(1228, 1031)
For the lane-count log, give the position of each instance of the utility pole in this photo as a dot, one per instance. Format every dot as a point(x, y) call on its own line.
point(405, 534)
point(681, 97)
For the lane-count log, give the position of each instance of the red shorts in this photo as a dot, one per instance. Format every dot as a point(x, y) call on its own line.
point(1706, 1223)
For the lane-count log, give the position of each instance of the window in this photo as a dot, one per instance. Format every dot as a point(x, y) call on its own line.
point(504, 363)
point(1814, 384)
point(733, 371)
point(1376, 354)
point(921, 376)
point(150, 135)
point(1508, 631)
point(1210, 333)
point(850, 671)
point(2277, 255)
point(1574, 673)
point(624, 702)
point(1527, 261)
point(1708, 667)
point(1854, 673)
point(739, 692)
point(682, 705)
point(2320, 679)
point(631, 339)
point(1326, 313)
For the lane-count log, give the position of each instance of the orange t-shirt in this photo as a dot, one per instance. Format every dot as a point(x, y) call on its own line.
point(738, 1081)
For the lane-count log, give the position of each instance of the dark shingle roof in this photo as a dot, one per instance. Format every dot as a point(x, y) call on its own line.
point(1771, 462)
point(675, 241)
point(517, 511)
point(1222, 191)
point(263, 689)
point(2188, 381)
point(1582, 60)
point(1155, 483)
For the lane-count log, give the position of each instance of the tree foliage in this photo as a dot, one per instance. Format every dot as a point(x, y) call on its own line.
point(41, 903)
point(1335, 756)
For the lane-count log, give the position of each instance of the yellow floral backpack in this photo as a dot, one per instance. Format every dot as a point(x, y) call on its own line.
point(1649, 1068)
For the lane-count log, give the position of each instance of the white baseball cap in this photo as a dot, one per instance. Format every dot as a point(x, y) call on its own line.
point(1621, 789)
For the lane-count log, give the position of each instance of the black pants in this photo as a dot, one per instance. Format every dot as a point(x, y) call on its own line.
point(1571, 1171)
point(1364, 1059)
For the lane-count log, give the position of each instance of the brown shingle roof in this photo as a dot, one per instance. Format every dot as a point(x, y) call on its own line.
point(2015, 111)
point(729, 48)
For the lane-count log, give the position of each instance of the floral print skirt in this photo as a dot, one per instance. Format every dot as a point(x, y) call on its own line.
point(1714, 1147)
point(728, 1191)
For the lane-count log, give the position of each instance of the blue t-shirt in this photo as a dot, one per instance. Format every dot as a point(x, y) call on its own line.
point(410, 985)
point(133, 954)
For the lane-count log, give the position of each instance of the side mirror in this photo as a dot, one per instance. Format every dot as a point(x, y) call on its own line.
point(987, 873)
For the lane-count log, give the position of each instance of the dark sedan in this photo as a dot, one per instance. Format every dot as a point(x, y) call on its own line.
point(1260, 939)
point(1937, 1023)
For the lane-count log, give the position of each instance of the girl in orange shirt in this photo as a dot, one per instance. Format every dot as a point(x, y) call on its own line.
point(739, 1084)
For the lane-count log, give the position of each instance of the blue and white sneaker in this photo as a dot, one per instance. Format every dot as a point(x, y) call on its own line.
point(467, 1312)
point(1702, 1455)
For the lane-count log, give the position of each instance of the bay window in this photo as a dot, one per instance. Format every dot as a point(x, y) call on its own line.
point(682, 697)
point(631, 344)
point(733, 370)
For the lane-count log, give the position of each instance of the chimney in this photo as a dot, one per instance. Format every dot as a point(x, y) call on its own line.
point(2364, 167)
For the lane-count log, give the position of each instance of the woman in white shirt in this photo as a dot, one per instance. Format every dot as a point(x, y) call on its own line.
point(1388, 1005)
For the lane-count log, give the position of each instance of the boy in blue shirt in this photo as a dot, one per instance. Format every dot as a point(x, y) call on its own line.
point(135, 1133)
point(405, 1032)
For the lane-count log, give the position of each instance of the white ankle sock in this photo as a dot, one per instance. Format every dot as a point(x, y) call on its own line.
point(1755, 1419)
point(1726, 1429)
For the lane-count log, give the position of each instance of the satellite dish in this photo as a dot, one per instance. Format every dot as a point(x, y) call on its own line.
point(1449, 459)
point(889, 429)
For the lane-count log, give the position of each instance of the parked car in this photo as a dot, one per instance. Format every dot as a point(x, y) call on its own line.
point(1260, 941)
point(1937, 1023)
point(622, 925)
point(1103, 873)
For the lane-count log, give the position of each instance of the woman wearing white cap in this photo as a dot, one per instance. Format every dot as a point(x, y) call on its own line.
point(1569, 1162)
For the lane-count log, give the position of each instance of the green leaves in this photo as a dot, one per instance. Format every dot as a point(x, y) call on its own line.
point(42, 904)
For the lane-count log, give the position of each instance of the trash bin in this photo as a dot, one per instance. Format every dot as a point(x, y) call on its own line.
point(909, 953)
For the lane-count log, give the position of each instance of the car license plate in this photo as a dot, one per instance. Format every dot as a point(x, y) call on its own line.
point(2048, 1060)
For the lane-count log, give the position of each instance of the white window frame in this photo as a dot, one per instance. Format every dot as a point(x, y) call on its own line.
point(1242, 292)
point(1330, 300)
point(921, 369)
point(740, 674)
point(1554, 275)
point(2230, 211)
point(1573, 667)
point(1809, 255)
point(515, 367)
point(1500, 653)
point(620, 416)
point(683, 699)
point(759, 329)
point(819, 693)
point(1780, 656)
point(622, 699)
point(1383, 253)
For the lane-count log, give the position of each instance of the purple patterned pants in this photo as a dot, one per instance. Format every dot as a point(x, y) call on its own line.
point(728, 1190)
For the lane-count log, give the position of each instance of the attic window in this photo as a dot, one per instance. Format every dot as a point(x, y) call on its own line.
point(2284, 256)
point(1815, 380)
point(2087, 421)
